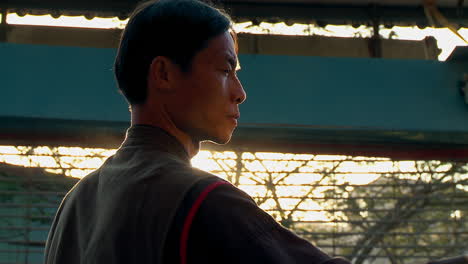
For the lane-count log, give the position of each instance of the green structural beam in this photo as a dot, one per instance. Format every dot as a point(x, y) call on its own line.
point(68, 95)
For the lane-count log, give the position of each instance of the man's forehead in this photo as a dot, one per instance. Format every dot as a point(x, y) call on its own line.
point(224, 44)
point(222, 49)
point(225, 54)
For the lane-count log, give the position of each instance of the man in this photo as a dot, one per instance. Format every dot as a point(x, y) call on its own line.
point(176, 66)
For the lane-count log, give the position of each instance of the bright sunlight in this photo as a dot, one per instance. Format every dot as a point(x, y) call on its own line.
point(446, 40)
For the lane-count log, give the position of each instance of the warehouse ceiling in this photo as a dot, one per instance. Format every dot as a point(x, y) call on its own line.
point(390, 12)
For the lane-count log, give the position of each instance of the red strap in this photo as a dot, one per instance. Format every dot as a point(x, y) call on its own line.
point(191, 216)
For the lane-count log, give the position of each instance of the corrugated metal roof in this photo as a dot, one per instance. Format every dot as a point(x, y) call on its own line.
point(390, 12)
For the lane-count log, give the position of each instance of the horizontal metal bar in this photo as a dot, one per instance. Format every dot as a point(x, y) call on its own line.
point(362, 197)
point(341, 234)
point(260, 171)
point(349, 158)
point(24, 228)
point(38, 205)
point(349, 172)
point(372, 221)
point(62, 180)
point(400, 257)
point(33, 193)
point(28, 178)
point(59, 167)
point(267, 210)
point(460, 246)
point(370, 185)
point(21, 251)
point(28, 216)
point(36, 242)
point(450, 184)
point(35, 216)
point(366, 210)
point(27, 262)
point(453, 260)
point(67, 180)
point(55, 155)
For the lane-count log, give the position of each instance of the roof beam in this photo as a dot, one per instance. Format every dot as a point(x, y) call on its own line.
point(248, 43)
point(306, 12)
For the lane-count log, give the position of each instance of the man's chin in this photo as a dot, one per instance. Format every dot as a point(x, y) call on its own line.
point(219, 140)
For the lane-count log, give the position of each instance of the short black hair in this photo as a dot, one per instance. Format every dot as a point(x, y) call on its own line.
point(176, 29)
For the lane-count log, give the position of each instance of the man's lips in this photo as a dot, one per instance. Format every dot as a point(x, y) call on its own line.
point(235, 116)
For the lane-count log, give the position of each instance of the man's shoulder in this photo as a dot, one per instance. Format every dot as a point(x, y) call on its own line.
point(136, 165)
point(177, 169)
point(156, 172)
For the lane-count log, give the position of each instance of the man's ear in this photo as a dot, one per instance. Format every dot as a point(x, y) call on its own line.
point(161, 73)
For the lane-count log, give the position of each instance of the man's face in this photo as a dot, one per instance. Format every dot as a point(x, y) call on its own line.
point(205, 104)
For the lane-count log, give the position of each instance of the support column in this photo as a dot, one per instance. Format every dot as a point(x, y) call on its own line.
point(3, 25)
point(375, 42)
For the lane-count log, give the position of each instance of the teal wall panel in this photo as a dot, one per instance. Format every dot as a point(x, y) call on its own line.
point(350, 93)
point(354, 93)
point(59, 82)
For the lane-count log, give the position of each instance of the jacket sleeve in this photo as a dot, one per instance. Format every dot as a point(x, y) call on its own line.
point(230, 228)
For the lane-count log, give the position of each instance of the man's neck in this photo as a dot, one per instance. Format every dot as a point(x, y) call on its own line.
point(140, 116)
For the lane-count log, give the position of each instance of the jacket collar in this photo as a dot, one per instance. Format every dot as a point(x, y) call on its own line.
point(155, 138)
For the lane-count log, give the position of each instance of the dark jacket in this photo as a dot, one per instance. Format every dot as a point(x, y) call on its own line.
point(135, 208)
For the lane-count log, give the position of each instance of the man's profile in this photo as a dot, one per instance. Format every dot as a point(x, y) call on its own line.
point(176, 66)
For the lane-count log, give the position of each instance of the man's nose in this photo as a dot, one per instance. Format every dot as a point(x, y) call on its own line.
point(239, 94)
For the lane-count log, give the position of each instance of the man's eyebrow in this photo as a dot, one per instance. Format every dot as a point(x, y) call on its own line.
point(233, 61)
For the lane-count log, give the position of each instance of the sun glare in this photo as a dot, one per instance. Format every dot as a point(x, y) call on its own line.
point(286, 185)
point(446, 40)
point(292, 173)
point(66, 21)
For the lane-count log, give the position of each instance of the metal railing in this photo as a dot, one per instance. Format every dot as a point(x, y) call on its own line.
point(369, 210)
